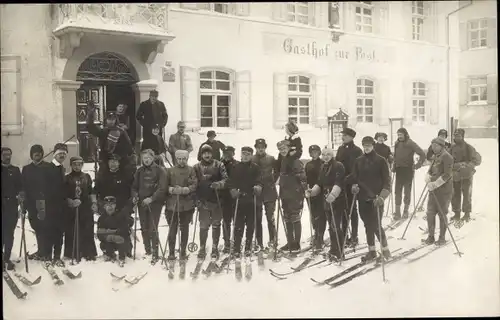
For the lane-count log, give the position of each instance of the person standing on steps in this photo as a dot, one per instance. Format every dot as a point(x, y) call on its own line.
point(211, 176)
point(269, 176)
point(34, 185)
point(181, 183)
point(179, 141)
point(466, 160)
point(228, 203)
point(12, 196)
point(216, 146)
point(313, 169)
point(292, 136)
point(292, 184)
point(347, 153)
point(404, 167)
point(153, 117)
point(439, 182)
point(148, 193)
point(330, 187)
point(371, 181)
point(441, 134)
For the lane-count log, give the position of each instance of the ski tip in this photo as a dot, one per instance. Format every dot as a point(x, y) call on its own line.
point(37, 280)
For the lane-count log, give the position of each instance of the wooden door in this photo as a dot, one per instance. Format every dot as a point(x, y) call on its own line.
point(88, 143)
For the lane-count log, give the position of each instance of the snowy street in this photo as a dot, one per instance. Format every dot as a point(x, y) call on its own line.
point(439, 284)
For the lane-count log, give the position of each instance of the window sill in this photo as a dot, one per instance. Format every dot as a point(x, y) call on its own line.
point(479, 48)
point(204, 130)
point(477, 103)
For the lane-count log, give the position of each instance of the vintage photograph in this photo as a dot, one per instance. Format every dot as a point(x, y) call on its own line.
point(238, 160)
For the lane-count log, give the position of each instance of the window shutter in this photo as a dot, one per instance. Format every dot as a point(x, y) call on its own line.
point(349, 13)
point(464, 91)
point(464, 36)
point(190, 106)
point(279, 11)
point(190, 6)
point(240, 9)
point(492, 89)
point(312, 14)
point(321, 13)
point(380, 17)
point(320, 102)
point(351, 104)
point(492, 33)
point(280, 105)
point(407, 103)
point(432, 107)
point(429, 27)
point(407, 18)
point(244, 106)
point(382, 94)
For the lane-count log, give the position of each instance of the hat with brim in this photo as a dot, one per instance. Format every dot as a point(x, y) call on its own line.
point(368, 141)
point(75, 159)
point(247, 150)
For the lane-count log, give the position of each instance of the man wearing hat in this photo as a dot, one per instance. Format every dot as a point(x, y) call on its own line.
point(211, 175)
point(228, 202)
point(441, 134)
point(382, 149)
point(466, 159)
point(371, 181)
point(439, 182)
point(216, 145)
point(12, 196)
point(347, 153)
point(293, 184)
point(80, 198)
point(179, 141)
point(244, 185)
point(34, 184)
point(404, 168)
point(312, 169)
point(269, 176)
point(152, 115)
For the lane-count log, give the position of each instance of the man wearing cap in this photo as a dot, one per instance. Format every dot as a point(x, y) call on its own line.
point(55, 205)
point(371, 181)
point(312, 169)
point(244, 184)
point(404, 167)
point(179, 141)
point(439, 182)
point(347, 153)
point(330, 184)
point(80, 197)
point(267, 166)
point(466, 159)
point(34, 184)
point(228, 202)
point(148, 193)
point(216, 145)
point(382, 149)
point(12, 196)
point(441, 134)
point(293, 184)
point(292, 136)
point(211, 175)
point(152, 115)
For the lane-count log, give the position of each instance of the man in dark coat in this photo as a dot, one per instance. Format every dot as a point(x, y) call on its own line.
point(371, 181)
point(12, 196)
point(153, 117)
point(313, 169)
point(441, 134)
point(382, 149)
point(269, 176)
point(439, 182)
point(347, 153)
point(216, 145)
point(34, 185)
point(404, 151)
point(228, 203)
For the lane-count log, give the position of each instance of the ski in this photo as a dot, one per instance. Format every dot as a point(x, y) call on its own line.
point(171, 269)
point(115, 277)
point(53, 274)
point(260, 259)
point(136, 280)
point(71, 275)
point(13, 286)
point(182, 271)
point(238, 269)
point(26, 281)
point(212, 265)
point(224, 263)
point(394, 225)
point(436, 247)
point(248, 269)
point(197, 269)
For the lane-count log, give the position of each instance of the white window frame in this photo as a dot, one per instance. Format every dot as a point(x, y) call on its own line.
point(364, 116)
point(361, 25)
point(419, 101)
point(212, 6)
point(479, 88)
point(215, 93)
point(300, 96)
point(417, 19)
point(482, 26)
point(295, 15)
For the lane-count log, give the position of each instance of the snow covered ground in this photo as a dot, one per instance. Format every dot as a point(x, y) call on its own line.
point(439, 284)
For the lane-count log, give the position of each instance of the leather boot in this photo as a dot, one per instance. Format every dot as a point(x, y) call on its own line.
point(405, 211)
point(397, 213)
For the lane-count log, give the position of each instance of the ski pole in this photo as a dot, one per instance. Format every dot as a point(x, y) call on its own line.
point(192, 246)
point(413, 187)
point(23, 238)
point(135, 228)
point(78, 192)
point(51, 152)
point(157, 233)
point(414, 211)
point(350, 213)
point(347, 217)
point(254, 224)
point(277, 230)
point(377, 208)
point(231, 249)
point(391, 196)
point(170, 222)
point(445, 222)
point(308, 201)
point(421, 205)
point(285, 228)
point(178, 224)
point(336, 231)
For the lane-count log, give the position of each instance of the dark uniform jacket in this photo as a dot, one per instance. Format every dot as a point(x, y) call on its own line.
point(384, 151)
point(55, 195)
point(331, 174)
point(371, 173)
point(85, 187)
point(347, 155)
point(442, 167)
point(150, 117)
point(11, 182)
point(269, 176)
point(244, 176)
point(206, 174)
point(216, 145)
point(117, 184)
point(150, 182)
point(116, 224)
point(295, 145)
point(312, 169)
point(466, 158)
point(34, 184)
point(182, 177)
point(293, 181)
point(229, 165)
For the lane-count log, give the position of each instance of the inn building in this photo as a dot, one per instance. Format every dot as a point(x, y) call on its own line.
point(241, 69)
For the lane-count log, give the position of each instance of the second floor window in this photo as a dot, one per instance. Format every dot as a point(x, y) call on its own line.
point(478, 91)
point(364, 14)
point(365, 96)
point(298, 12)
point(299, 99)
point(419, 98)
point(215, 98)
point(478, 33)
point(417, 19)
point(221, 7)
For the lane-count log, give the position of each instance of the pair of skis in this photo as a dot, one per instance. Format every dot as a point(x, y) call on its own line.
point(248, 269)
point(55, 277)
point(130, 282)
point(13, 286)
point(182, 267)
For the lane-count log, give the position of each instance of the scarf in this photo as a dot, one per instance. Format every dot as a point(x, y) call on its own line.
point(113, 137)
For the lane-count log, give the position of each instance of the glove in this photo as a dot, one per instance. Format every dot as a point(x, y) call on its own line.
point(135, 200)
point(77, 202)
point(257, 190)
point(94, 207)
point(235, 193)
point(308, 193)
point(330, 198)
point(185, 190)
point(115, 239)
point(147, 201)
point(216, 185)
point(355, 189)
point(427, 178)
point(70, 202)
point(379, 201)
point(176, 190)
point(418, 166)
point(431, 186)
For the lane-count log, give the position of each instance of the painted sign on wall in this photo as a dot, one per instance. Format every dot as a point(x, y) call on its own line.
point(316, 51)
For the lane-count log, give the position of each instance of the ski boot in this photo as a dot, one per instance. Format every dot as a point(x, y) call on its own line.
point(369, 256)
point(397, 215)
point(285, 248)
point(121, 262)
point(9, 265)
point(215, 253)
point(429, 240)
point(109, 257)
point(466, 217)
point(332, 257)
point(386, 253)
point(58, 263)
point(227, 248)
point(405, 212)
point(441, 241)
point(182, 255)
point(248, 253)
point(296, 248)
point(456, 217)
point(154, 259)
point(352, 242)
point(34, 256)
point(202, 253)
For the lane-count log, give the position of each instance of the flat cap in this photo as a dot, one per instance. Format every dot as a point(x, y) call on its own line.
point(349, 132)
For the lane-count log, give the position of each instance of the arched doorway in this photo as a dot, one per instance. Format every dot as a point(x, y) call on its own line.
point(107, 79)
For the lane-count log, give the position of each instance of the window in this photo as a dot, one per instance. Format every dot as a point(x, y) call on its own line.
point(478, 33)
point(417, 19)
point(298, 12)
point(418, 98)
point(299, 99)
point(364, 17)
point(364, 100)
point(417, 8)
point(215, 98)
point(221, 7)
point(478, 91)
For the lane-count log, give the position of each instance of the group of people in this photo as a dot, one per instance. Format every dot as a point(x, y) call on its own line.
point(225, 193)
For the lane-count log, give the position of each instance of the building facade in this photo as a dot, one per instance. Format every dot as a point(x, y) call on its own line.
point(478, 69)
point(241, 69)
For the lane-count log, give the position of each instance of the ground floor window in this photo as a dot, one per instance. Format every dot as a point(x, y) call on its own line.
point(215, 98)
point(299, 99)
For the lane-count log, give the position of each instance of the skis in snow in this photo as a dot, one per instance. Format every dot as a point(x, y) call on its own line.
point(71, 275)
point(197, 269)
point(248, 268)
point(237, 269)
point(182, 267)
point(171, 269)
point(135, 280)
point(53, 274)
point(26, 281)
point(224, 263)
point(13, 286)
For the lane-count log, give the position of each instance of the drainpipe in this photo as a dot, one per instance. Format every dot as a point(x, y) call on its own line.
point(448, 64)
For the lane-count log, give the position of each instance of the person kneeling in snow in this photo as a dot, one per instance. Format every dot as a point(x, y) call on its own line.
point(113, 229)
